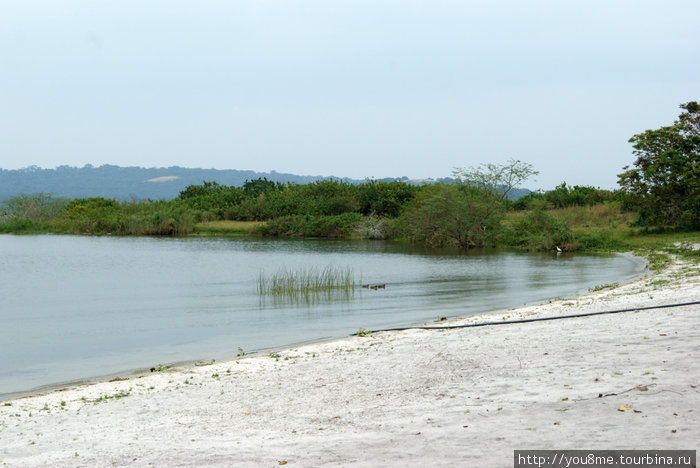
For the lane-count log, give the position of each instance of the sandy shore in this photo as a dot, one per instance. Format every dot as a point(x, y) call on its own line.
point(461, 397)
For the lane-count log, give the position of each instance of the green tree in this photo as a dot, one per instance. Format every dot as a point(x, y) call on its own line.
point(444, 215)
point(467, 214)
point(384, 198)
point(664, 184)
point(498, 179)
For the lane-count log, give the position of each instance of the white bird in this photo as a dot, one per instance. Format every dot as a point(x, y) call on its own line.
point(558, 249)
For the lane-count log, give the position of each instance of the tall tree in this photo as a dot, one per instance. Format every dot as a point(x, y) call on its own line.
point(664, 183)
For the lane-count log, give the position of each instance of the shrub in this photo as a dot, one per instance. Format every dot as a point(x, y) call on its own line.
point(384, 198)
point(564, 196)
point(35, 207)
point(538, 230)
point(449, 215)
point(312, 226)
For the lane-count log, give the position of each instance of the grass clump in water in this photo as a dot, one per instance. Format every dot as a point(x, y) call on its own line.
point(304, 282)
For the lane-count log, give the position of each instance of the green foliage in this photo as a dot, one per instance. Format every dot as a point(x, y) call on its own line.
point(105, 216)
point(160, 368)
point(468, 214)
point(342, 225)
point(498, 179)
point(384, 198)
point(449, 215)
point(256, 187)
point(30, 213)
point(539, 230)
point(23, 225)
point(93, 215)
point(34, 207)
point(600, 287)
point(211, 200)
point(563, 196)
point(227, 228)
point(331, 198)
point(594, 239)
point(658, 260)
point(664, 184)
point(261, 199)
point(114, 396)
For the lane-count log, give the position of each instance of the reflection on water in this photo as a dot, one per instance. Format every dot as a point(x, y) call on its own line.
point(311, 298)
point(81, 306)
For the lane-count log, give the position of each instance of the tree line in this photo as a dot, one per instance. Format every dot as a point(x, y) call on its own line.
point(662, 188)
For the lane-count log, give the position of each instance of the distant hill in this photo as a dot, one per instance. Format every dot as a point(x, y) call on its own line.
point(124, 183)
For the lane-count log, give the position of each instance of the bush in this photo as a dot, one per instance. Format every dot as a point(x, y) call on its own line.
point(261, 199)
point(23, 225)
point(384, 198)
point(564, 196)
point(449, 215)
point(35, 207)
point(664, 183)
point(104, 216)
point(211, 200)
point(598, 240)
point(312, 226)
point(538, 230)
point(372, 227)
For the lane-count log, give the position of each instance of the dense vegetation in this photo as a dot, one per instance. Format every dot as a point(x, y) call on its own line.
point(664, 184)
point(461, 214)
point(660, 193)
point(44, 213)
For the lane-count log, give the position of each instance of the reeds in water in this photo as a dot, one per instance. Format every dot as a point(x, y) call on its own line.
point(305, 282)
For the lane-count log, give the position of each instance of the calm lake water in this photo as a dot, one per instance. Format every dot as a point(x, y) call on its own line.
point(74, 307)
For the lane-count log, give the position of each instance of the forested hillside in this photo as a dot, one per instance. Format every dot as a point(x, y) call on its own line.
point(124, 183)
point(155, 183)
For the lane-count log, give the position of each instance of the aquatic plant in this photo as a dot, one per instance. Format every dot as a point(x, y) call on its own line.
point(303, 282)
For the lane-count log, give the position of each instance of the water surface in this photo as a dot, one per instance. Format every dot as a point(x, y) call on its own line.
point(73, 307)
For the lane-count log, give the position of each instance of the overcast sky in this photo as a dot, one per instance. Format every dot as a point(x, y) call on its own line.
point(375, 88)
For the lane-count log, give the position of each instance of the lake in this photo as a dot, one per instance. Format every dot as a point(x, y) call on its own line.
point(73, 307)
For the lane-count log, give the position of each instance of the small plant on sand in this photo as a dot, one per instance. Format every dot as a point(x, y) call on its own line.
point(241, 353)
point(658, 261)
point(600, 287)
point(363, 332)
point(114, 396)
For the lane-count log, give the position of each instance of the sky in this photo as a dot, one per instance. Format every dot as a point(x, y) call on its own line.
point(360, 89)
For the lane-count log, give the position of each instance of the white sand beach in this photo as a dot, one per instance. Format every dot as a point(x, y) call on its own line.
point(459, 397)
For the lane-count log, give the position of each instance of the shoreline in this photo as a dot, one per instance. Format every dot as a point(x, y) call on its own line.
point(470, 397)
point(138, 372)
